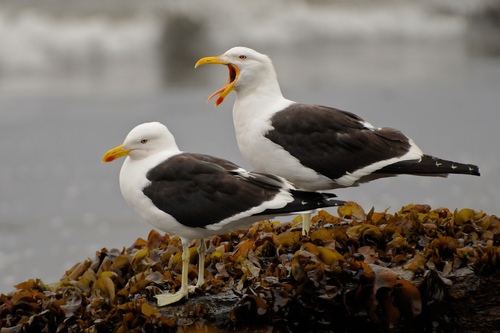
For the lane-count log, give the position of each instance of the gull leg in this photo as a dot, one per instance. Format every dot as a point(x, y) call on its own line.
point(168, 298)
point(306, 223)
point(202, 250)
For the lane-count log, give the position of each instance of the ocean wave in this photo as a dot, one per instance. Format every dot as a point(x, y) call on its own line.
point(99, 39)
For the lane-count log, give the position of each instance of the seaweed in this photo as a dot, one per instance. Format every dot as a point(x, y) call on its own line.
point(372, 271)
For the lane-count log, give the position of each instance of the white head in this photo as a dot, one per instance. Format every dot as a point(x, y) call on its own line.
point(144, 140)
point(249, 70)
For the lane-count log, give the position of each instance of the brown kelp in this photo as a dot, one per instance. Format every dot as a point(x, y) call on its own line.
point(376, 271)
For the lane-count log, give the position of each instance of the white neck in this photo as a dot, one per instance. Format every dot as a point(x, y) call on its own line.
point(252, 112)
point(257, 102)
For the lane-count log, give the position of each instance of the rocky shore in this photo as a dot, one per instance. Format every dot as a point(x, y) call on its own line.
point(416, 270)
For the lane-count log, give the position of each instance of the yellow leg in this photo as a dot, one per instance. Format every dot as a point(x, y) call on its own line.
point(168, 298)
point(202, 250)
point(306, 223)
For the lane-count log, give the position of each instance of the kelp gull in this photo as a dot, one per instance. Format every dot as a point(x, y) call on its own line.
point(195, 196)
point(315, 147)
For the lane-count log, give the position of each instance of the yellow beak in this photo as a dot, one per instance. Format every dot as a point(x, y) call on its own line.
point(234, 73)
point(115, 153)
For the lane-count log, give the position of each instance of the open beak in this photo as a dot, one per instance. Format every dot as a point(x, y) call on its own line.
point(234, 73)
point(115, 153)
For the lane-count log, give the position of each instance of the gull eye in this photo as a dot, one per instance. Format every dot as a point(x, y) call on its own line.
point(143, 141)
point(242, 57)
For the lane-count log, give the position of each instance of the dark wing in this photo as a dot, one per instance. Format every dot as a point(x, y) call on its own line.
point(302, 200)
point(199, 190)
point(333, 142)
point(306, 201)
point(430, 165)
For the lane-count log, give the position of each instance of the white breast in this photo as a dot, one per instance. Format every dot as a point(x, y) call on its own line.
point(251, 122)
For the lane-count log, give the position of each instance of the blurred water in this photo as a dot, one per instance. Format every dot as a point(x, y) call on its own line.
point(74, 80)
